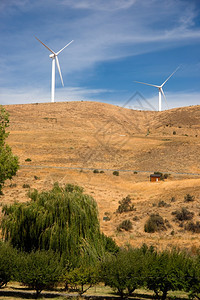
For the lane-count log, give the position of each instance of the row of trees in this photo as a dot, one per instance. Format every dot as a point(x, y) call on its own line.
point(124, 271)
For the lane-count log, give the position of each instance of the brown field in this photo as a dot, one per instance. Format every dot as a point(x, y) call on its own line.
point(83, 135)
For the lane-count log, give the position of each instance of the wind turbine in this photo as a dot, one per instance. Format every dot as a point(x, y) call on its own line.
point(54, 57)
point(160, 89)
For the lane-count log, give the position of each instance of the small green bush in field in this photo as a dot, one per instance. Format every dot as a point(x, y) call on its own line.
point(189, 198)
point(28, 159)
point(96, 171)
point(116, 173)
point(183, 214)
point(154, 223)
point(26, 186)
point(126, 225)
point(125, 205)
point(194, 227)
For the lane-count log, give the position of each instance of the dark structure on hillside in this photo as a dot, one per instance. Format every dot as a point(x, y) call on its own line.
point(155, 177)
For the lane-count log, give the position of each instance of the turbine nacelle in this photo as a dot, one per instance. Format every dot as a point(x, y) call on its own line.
point(160, 88)
point(52, 55)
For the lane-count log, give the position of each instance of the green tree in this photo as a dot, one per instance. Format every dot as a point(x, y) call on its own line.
point(166, 271)
point(63, 220)
point(8, 257)
point(82, 278)
point(192, 277)
point(8, 162)
point(39, 270)
point(123, 272)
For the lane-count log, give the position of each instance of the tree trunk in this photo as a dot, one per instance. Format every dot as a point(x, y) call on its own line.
point(164, 295)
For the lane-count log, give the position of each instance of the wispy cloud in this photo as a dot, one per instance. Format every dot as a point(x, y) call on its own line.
point(104, 31)
point(34, 95)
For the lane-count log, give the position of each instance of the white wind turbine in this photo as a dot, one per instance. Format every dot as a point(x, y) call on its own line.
point(54, 57)
point(160, 89)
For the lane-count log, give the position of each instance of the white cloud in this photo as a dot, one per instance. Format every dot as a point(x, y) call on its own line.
point(100, 4)
point(35, 95)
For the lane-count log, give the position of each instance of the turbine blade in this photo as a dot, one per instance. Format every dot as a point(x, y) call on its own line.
point(170, 76)
point(164, 97)
point(59, 70)
point(45, 46)
point(148, 84)
point(64, 47)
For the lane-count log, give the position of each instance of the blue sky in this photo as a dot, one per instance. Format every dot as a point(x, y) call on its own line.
point(115, 43)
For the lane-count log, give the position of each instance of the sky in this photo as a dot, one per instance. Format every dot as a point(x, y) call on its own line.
point(116, 42)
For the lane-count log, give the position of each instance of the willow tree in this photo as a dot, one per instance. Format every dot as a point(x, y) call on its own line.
point(63, 219)
point(8, 162)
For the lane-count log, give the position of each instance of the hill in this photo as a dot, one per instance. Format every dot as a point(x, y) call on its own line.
point(91, 135)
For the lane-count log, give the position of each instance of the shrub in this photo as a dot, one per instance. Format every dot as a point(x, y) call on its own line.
point(26, 186)
point(36, 177)
point(183, 214)
point(188, 198)
point(125, 205)
point(191, 226)
point(96, 171)
point(28, 159)
point(116, 173)
point(162, 203)
point(174, 132)
point(154, 223)
point(125, 225)
point(101, 172)
point(13, 185)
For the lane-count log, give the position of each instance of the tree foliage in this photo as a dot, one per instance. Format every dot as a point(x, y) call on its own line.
point(39, 270)
point(82, 278)
point(7, 263)
point(8, 162)
point(166, 271)
point(63, 219)
point(124, 271)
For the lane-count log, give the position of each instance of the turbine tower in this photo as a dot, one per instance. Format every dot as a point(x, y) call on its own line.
point(54, 57)
point(160, 89)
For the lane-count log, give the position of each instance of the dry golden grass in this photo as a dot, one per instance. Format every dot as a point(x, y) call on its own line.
point(101, 136)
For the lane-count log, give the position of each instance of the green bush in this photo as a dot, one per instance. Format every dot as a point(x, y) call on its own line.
point(116, 173)
point(28, 159)
point(194, 227)
point(154, 223)
point(162, 203)
point(125, 225)
point(26, 186)
point(96, 171)
point(125, 205)
point(189, 198)
point(183, 214)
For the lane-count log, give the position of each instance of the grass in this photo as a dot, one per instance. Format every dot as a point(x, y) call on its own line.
point(15, 291)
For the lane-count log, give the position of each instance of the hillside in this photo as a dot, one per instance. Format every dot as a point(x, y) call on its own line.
point(95, 135)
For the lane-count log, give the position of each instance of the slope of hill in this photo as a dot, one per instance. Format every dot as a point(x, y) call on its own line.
point(102, 136)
